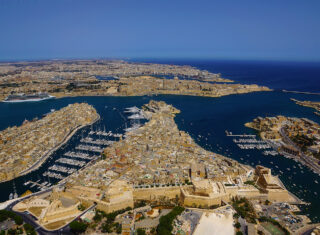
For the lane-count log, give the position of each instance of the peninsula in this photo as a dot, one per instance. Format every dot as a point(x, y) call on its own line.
point(157, 164)
point(113, 78)
point(310, 104)
point(297, 138)
point(26, 147)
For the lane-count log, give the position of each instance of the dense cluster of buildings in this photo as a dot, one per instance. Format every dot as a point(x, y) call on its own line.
point(161, 165)
point(298, 138)
point(275, 128)
point(23, 147)
point(62, 69)
point(78, 78)
point(157, 162)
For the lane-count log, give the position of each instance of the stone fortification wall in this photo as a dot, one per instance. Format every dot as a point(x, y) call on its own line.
point(278, 195)
point(106, 206)
point(151, 194)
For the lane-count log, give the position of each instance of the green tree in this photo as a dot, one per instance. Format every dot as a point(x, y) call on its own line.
point(29, 229)
point(165, 223)
point(97, 217)
point(140, 231)
point(78, 227)
point(239, 233)
point(18, 219)
point(237, 225)
point(118, 228)
point(12, 232)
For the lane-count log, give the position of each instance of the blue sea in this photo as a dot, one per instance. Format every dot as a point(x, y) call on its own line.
point(294, 76)
point(205, 119)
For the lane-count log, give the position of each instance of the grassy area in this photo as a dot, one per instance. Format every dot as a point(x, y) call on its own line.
point(55, 225)
point(273, 229)
point(36, 211)
point(273, 226)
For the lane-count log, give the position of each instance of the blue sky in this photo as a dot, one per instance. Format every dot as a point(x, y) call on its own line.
point(225, 29)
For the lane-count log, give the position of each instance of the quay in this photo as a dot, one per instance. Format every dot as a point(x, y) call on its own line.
point(244, 135)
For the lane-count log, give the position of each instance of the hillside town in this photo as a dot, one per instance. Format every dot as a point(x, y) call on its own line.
point(297, 138)
point(107, 77)
point(159, 171)
point(26, 147)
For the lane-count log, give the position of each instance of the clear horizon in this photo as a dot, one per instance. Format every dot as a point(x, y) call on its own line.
point(207, 30)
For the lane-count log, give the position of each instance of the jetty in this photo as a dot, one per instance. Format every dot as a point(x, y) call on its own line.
point(243, 135)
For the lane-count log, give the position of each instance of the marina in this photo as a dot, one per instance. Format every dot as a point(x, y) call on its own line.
point(71, 162)
point(79, 155)
point(250, 143)
point(89, 140)
point(62, 169)
point(89, 148)
point(209, 133)
point(233, 135)
point(53, 175)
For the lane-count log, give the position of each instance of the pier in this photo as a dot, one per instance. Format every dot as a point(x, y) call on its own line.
point(53, 175)
point(71, 162)
point(89, 140)
point(244, 135)
point(270, 152)
point(43, 186)
point(89, 148)
point(79, 155)
point(62, 169)
point(104, 133)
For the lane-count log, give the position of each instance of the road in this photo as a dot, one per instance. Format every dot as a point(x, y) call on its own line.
point(305, 159)
point(30, 219)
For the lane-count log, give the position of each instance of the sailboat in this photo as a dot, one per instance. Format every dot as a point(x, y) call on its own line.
point(15, 191)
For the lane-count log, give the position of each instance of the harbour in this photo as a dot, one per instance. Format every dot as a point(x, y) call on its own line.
point(195, 119)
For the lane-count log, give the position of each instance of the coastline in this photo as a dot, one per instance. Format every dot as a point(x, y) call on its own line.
point(44, 157)
point(156, 94)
